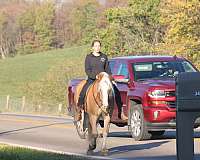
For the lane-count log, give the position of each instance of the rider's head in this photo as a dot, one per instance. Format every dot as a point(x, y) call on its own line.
point(96, 46)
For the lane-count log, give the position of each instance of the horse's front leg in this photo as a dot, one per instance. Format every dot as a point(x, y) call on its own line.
point(104, 150)
point(92, 134)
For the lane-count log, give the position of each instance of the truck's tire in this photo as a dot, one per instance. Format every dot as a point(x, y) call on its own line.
point(82, 134)
point(138, 127)
point(79, 127)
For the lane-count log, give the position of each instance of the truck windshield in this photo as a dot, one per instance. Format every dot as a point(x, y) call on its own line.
point(158, 70)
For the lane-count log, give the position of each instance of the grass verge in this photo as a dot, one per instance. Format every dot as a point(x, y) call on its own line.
point(17, 153)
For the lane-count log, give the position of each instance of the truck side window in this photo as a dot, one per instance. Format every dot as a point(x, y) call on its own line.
point(111, 65)
point(122, 69)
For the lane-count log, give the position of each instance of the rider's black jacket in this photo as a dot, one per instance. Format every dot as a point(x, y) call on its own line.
point(96, 64)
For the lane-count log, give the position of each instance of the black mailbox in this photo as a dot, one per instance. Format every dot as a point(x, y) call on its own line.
point(188, 92)
point(188, 109)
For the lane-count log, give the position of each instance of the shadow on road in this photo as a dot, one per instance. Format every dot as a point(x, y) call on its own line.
point(168, 157)
point(171, 157)
point(120, 134)
point(128, 148)
point(167, 135)
point(172, 135)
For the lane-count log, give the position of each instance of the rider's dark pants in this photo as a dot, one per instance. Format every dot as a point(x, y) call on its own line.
point(118, 99)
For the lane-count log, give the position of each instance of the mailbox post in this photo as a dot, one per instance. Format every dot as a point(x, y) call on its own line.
point(188, 109)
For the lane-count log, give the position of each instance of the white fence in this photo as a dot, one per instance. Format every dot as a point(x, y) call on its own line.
point(21, 105)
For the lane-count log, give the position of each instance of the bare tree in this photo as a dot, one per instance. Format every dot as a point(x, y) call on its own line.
point(9, 10)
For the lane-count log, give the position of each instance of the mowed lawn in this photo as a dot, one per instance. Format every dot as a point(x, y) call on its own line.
point(17, 71)
point(18, 153)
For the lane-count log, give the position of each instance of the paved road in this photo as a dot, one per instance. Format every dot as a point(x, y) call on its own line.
point(59, 134)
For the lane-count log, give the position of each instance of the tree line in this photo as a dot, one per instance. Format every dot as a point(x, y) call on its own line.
point(125, 26)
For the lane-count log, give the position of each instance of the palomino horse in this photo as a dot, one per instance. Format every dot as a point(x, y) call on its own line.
point(97, 106)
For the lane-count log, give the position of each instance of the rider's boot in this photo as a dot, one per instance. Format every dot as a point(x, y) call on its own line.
point(122, 116)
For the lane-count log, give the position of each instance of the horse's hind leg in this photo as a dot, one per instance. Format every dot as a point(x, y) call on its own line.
point(104, 150)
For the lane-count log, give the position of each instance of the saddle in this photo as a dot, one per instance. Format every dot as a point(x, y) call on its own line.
point(78, 91)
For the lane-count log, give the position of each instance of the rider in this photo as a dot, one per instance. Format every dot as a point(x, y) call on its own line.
point(95, 63)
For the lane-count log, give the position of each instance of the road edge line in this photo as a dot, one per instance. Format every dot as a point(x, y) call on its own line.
point(36, 115)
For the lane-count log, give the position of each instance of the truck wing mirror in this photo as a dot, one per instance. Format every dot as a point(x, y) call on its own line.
point(120, 78)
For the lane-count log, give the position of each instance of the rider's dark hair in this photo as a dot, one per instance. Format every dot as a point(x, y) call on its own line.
point(94, 41)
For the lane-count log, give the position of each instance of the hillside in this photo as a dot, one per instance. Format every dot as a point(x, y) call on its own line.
point(20, 70)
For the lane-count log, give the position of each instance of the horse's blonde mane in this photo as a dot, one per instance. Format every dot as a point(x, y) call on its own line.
point(105, 85)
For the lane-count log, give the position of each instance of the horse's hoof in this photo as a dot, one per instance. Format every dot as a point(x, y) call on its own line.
point(89, 152)
point(104, 152)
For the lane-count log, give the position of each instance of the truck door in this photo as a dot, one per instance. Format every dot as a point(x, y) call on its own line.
point(121, 69)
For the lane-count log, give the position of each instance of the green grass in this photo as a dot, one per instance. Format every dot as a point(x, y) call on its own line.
point(16, 72)
point(18, 153)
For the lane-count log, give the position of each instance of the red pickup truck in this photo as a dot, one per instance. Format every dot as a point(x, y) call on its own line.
point(147, 88)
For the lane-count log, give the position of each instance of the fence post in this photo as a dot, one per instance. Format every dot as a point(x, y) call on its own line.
point(39, 108)
point(60, 109)
point(23, 103)
point(7, 102)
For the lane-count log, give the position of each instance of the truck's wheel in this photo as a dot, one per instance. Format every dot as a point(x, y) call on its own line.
point(79, 126)
point(138, 125)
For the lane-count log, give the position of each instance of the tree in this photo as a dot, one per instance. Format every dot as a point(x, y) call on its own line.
point(182, 22)
point(116, 3)
point(26, 23)
point(7, 36)
point(43, 27)
point(9, 11)
point(63, 26)
point(3, 24)
point(136, 27)
point(84, 20)
point(36, 28)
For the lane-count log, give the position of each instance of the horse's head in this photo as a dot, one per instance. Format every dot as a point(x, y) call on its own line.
point(105, 87)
